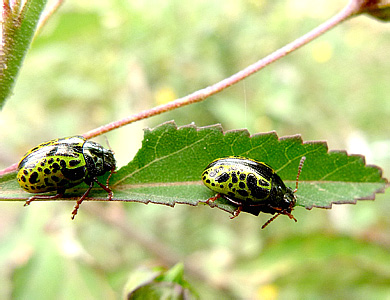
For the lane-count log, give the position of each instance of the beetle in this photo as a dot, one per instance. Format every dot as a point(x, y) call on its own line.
point(60, 164)
point(250, 183)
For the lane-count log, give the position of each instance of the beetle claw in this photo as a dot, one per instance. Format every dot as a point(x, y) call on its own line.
point(236, 212)
point(212, 199)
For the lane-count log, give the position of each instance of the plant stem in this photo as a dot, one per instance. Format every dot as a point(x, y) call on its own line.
point(351, 9)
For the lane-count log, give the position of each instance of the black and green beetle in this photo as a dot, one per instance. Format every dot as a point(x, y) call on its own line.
point(60, 164)
point(249, 183)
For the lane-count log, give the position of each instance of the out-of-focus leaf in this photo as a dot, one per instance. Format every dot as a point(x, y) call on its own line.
point(18, 31)
point(43, 267)
point(315, 262)
point(146, 284)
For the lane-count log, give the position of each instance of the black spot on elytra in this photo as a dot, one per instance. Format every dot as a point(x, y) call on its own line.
point(47, 171)
point(52, 152)
point(74, 162)
point(222, 178)
point(55, 178)
point(63, 164)
point(242, 176)
point(241, 185)
point(243, 193)
point(33, 179)
point(74, 174)
point(257, 191)
point(234, 177)
point(50, 161)
point(56, 167)
point(25, 172)
point(23, 178)
point(230, 185)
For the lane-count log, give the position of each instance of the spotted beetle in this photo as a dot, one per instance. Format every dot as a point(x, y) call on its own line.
point(249, 183)
point(60, 164)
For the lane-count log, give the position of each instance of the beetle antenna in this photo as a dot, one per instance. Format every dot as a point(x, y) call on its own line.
point(299, 172)
point(108, 143)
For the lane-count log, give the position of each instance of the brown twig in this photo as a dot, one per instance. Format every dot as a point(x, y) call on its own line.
point(202, 94)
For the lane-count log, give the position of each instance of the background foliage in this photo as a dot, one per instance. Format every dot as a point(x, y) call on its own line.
point(98, 61)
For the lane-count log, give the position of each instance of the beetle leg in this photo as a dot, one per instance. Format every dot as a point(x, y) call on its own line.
point(280, 212)
point(58, 195)
point(236, 212)
point(291, 217)
point(285, 212)
point(109, 176)
point(106, 188)
point(212, 199)
point(78, 203)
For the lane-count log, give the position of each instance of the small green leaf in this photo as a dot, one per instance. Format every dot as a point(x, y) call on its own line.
point(152, 284)
point(175, 274)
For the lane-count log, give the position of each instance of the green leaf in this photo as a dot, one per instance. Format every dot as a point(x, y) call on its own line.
point(175, 274)
point(153, 284)
point(168, 166)
point(18, 30)
point(167, 169)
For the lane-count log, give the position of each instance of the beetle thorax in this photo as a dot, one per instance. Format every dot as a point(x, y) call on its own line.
point(98, 159)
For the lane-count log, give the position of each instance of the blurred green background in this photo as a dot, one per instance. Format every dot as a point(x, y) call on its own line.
point(99, 61)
